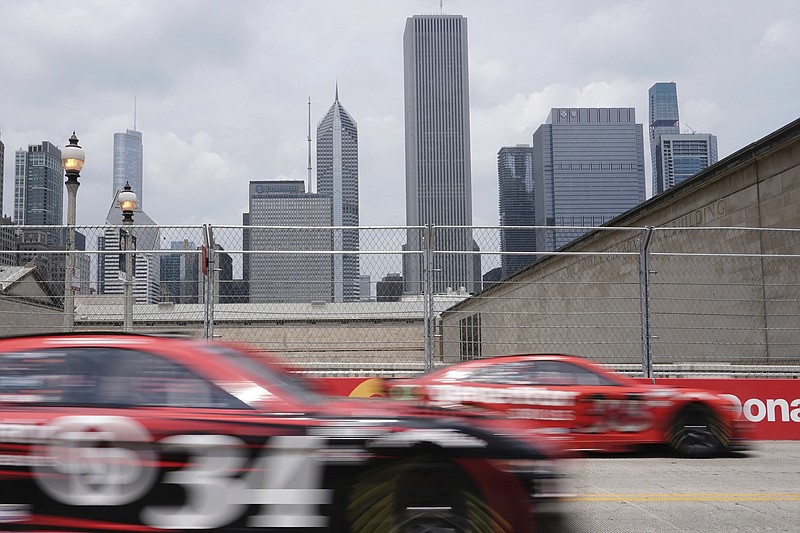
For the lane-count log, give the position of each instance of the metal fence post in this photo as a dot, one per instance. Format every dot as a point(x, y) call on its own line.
point(209, 260)
point(644, 300)
point(430, 323)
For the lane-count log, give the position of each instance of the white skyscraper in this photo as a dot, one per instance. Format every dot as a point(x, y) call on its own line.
point(287, 274)
point(337, 177)
point(438, 170)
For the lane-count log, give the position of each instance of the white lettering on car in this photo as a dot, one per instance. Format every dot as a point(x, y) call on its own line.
point(111, 461)
point(509, 395)
point(286, 479)
point(541, 414)
point(445, 437)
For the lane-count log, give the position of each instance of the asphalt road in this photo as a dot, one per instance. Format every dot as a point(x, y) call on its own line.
point(757, 491)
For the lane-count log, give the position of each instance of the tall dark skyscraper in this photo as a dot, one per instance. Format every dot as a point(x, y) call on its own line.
point(664, 120)
point(438, 169)
point(588, 168)
point(180, 273)
point(515, 180)
point(127, 164)
point(675, 156)
point(337, 177)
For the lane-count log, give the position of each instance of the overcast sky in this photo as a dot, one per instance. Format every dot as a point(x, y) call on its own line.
point(222, 86)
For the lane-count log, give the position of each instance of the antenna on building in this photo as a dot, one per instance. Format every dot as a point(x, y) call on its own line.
point(134, 113)
point(309, 144)
point(688, 126)
point(441, 7)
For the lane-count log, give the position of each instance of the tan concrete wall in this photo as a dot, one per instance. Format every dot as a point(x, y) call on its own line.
point(724, 309)
point(18, 317)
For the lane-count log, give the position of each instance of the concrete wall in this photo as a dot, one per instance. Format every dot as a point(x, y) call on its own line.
point(740, 309)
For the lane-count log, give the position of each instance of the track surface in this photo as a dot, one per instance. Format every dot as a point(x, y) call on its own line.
point(757, 491)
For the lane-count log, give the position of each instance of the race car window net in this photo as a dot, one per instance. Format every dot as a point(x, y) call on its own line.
point(105, 376)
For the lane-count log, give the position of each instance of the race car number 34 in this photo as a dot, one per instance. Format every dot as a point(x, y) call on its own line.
point(285, 482)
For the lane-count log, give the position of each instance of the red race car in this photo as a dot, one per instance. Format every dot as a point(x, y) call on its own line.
point(582, 404)
point(102, 432)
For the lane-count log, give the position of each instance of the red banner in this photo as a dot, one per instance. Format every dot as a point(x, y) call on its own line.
point(772, 405)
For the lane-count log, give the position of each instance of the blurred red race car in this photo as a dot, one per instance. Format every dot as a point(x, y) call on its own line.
point(583, 405)
point(102, 432)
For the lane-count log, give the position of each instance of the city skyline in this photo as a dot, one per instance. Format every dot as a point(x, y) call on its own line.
point(207, 139)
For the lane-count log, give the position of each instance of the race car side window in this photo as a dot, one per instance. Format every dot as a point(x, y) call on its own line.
point(101, 376)
point(564, 373)
point(503, 373)
point(538, 373)
point(44, 377)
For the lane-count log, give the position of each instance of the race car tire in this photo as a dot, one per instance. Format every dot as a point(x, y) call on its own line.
point(419, 495)
point(697, 432)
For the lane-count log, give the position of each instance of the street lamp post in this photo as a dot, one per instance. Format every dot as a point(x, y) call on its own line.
point(72, 158)
point(127, 203)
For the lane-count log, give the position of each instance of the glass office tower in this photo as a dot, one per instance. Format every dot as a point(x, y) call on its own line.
point(515, 180)
point(127, 164)
point(39, 186)
point(588, 168)
point(664, 120)
point(681, 156)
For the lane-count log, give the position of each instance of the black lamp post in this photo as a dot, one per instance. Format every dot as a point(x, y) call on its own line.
point(127, 204)
point(72, 158)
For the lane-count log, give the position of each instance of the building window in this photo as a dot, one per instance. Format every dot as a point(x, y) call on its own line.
point(470, 337)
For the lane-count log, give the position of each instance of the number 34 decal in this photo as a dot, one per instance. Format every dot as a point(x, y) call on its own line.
point(106, 460)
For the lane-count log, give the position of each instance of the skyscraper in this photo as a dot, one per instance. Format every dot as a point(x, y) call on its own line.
point(664, 117)
point(515, 177)
point(337, 177)
point(681, 156)
point(588, 168)
point(438, 170)
point(288, 275)
point(180, 273)
point(127, 164)
point(39, 187)
point(675, 156)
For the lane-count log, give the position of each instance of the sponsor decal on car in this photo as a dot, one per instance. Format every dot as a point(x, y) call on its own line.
point(516, 395)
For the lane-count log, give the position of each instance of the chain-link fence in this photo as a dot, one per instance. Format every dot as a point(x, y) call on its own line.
point(398, 300)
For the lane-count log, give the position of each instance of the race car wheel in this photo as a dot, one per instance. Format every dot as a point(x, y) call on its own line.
point(419, 495)
point(697, 432)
